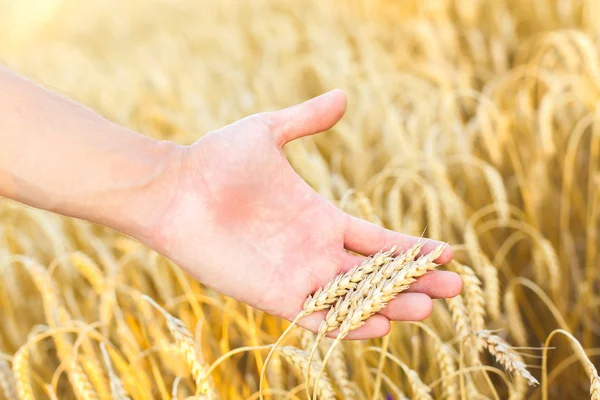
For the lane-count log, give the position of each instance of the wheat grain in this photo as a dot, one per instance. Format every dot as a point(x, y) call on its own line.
point(373, 293)
point(307, 341)
point(462, 324)
point(432, 205)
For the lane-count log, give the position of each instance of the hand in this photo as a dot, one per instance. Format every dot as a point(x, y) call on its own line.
point(242, 221)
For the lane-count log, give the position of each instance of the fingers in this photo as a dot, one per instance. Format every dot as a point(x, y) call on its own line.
point(308, 118)
point(408, 307)
point(367, 238)
point(437, 284)
point(350, 260)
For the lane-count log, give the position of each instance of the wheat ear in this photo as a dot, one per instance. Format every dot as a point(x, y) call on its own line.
point(515, 320)
point(379, 295)
point(594, 383)
point(324, 297)
point(419, 389)
point(185, 343)
point(491, 285)
point(460, 319)
point(344, 304)
point(505, 355)
point(339, 312)
point(81, 383)
point(473, 295)
point(327, 295)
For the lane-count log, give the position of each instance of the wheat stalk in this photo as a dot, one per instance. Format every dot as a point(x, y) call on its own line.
point(185, 343)
point(338, 369)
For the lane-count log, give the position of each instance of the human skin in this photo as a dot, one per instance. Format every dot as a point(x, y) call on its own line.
point(229, 209)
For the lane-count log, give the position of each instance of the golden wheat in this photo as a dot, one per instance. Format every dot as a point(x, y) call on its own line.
point(474, 122)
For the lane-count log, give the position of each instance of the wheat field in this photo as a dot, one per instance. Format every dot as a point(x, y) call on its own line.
point(475, 122)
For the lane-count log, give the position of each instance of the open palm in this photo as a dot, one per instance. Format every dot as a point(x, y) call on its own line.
point(244, 223)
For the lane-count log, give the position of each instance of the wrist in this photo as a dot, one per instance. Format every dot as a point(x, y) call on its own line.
point(153, 170)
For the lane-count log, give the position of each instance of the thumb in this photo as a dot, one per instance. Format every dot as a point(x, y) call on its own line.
point(313, 116)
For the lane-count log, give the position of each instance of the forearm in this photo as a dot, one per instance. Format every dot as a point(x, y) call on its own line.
point(58, 155)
